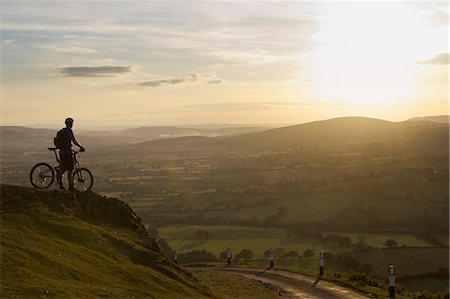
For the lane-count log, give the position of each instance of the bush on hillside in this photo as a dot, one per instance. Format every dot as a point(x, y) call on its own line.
point(308, 253)
point(245, 254)
point(390, 243)
point(197, 256)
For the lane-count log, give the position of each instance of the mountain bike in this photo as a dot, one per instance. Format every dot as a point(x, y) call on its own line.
point(42, 175)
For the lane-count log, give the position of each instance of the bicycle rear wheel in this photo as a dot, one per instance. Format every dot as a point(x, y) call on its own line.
point(42, 176)
point(83, 180)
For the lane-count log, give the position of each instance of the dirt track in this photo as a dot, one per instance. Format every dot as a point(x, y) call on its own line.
point(292, 285)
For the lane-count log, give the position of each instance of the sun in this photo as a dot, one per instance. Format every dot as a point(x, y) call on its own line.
point(368, 52)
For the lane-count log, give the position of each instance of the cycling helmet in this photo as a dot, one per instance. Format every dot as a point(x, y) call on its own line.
point(69, 120)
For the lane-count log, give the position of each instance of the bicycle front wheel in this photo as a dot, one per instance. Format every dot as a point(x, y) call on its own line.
point(83, 180)
point(42, 176)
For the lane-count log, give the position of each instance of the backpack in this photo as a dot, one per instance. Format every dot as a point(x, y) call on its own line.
point(61, 140)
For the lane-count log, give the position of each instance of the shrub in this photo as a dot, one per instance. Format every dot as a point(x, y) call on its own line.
point(308, 253)
point(197, 256)
point(390, 243)
point(245, 254)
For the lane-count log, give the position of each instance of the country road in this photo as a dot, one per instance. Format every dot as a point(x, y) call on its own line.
point(293, 285)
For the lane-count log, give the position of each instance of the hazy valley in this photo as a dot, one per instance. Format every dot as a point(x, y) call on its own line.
point(343, 185)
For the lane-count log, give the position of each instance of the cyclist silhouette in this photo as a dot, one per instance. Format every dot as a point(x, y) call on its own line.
point(65, 153)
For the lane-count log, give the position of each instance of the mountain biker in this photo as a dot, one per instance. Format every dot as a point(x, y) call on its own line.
point(65, 154)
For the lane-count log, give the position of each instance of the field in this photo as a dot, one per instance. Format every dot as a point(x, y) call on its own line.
point(426, 258)
point(408, 261)
point(391, 204)
point(386, 186)
point(259, 240)
point(432, 284)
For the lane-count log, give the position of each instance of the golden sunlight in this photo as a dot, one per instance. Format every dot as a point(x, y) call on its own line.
point(369, 52)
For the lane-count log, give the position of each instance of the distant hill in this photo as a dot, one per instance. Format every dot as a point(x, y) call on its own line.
point(142, 134)
point(22, 139)
point(63, 245)
point(17, 138)
point(332, 132)
point(435, 119)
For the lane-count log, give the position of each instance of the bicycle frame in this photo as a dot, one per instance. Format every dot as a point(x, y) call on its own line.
point(42, 175)
point(76, 164)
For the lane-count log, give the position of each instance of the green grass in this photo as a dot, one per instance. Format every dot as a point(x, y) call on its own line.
point(261, 239)
point(237, 238)
point(234, 286)
point(53, 246)
point(443, 239)
point(388, 204)
point(378, 239)
point(430, 284)
point(407, 261)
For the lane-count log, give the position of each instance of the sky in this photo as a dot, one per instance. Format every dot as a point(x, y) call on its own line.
point(138, 63)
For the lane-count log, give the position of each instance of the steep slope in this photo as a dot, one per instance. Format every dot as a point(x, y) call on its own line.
point(58, 244)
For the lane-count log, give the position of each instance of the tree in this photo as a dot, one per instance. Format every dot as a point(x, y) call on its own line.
point(223, 255)
point(202, 235)
point(291, 254)
point(331, 239)
point(308, 253)
point(390, 243)
point(344, 241)
point(280, 252)
point(245, 254)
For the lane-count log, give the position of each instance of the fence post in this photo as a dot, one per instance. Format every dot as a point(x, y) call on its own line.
point(391, 281)
point(175, 257)
point(321, 263)
point(228, 255)
point(271, 257)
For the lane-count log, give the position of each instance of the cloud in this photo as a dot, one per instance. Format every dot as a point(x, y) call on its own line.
point(192, 78)
point(94, 71)
point(66, 49)
point(215, 81)
point(440, 59)
point(214, 107)
point(437, 11)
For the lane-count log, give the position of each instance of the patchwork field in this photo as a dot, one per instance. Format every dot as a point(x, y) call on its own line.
point(259, 240)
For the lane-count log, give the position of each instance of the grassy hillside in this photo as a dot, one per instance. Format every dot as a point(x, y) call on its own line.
point(58, 244)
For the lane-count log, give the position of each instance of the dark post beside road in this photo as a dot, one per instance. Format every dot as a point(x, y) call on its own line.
point(228, 255)
point(391, 282)
point(321, 263)
point(271, 257)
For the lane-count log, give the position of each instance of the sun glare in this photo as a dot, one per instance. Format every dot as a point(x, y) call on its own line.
point(368, 52)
